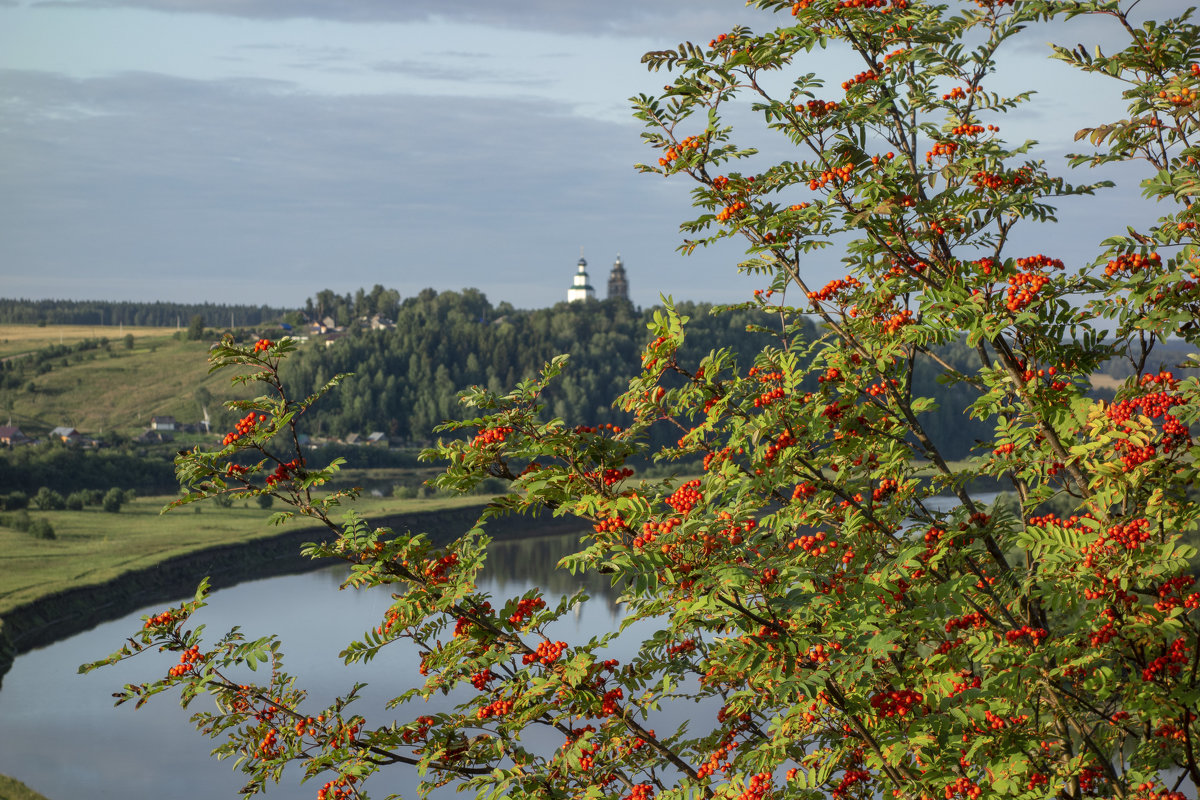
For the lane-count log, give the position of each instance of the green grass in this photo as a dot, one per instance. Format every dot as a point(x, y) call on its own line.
point(18, 339)
point(119, 390)
point(92, 546)
point(13, 789)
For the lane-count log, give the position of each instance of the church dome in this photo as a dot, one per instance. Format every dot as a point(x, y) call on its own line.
point(580, 288)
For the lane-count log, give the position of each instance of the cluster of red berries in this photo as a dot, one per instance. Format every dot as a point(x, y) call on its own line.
point(608, 525)
point(346, 733)
point(849, 778)
point(886, 488)
point(418, 734)
point(284, 471)
point(1151, 794)
point(814, 544)
point(996, 723)
point(818, 108)
point(390, 620)
point(966, 622)
point(1170, 662)
point(244, 427)
point(640, 791)
point(1132, 262)
point(968, 681)
point(686, 646)
point(996, 181)
point(758, 789)
point(685, 498)
point(862, 77)
point(958, 93)
point(1176, 585)
point(436, 572)
point(611, 476)
point(673, 152)
point(165, 618)
point(896, 702)
point(964, 786)
point(783, 441)
point(496, 708)
point(491, 436)
point(481, 679)
point(968, 129)
point(651, 530)
point(1035, 635)
point(525, 609)
point(608, 703)
point(187, 661)
point(263, 344)
point(836, 175)
point(547, 653)
point(833, 287)
point(946, 149)
point(732, 210)
point(895, 322)
point(1023, 289)
point(340, 789)
point(768, 398)
point(269, 747)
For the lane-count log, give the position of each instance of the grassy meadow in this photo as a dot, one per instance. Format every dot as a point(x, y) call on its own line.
point(119, 389)
point(92, 546)
point(19, 339)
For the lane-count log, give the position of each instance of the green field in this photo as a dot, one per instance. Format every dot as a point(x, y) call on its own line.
point(19, 339)
point(102, 391)
point(93, 546)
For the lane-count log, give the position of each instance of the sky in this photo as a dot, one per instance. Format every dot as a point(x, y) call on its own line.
point(258, 151)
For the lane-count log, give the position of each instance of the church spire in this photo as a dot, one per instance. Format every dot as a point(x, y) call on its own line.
point(618, 284)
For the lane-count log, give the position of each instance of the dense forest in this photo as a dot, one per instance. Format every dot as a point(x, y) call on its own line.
point(102, 312)
point(405, 379)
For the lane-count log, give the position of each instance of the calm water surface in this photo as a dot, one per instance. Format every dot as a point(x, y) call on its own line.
point(60, 734)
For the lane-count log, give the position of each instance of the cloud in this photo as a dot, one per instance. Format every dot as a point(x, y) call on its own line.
point(243, 189)
point(699, 18)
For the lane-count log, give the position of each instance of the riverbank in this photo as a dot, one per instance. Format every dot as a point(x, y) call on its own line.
point(175, 561)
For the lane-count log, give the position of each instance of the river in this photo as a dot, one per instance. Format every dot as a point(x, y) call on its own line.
point(60, 734)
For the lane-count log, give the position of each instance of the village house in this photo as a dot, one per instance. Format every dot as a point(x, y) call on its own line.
point(11, 436)
point(66, 435)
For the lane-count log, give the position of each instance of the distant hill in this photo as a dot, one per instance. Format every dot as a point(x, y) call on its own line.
point(407, 368)
point(15, 311)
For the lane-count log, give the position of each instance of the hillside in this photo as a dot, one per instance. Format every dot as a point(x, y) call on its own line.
point(102, 390)
point(405, 376)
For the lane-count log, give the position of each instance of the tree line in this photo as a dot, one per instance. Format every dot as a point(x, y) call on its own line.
point(15, 311)
point(406, 379)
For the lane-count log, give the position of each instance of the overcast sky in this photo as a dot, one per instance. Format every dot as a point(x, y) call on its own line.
point(261, 150)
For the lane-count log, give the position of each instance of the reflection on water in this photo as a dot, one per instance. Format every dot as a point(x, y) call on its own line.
point(60, 734)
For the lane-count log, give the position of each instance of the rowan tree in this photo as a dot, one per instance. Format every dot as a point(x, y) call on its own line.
point(841, 634)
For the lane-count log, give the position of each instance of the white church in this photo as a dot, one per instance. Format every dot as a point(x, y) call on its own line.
point(581, 290)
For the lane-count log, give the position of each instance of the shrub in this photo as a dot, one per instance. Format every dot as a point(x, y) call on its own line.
point(41, 528)
point(14, 501)
point(113, 499)
point(832, 628)
point(47, 499)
